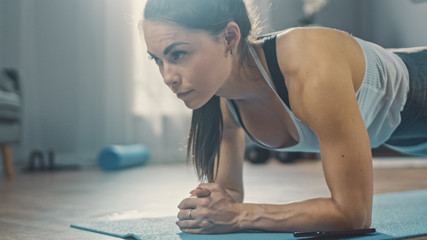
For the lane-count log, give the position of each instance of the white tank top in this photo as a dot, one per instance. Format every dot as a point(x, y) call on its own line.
point(381, 97)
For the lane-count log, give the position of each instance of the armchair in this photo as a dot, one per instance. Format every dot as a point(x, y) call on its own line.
point(10, 116)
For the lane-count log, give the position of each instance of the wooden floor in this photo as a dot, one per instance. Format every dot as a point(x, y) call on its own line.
point(42, 205)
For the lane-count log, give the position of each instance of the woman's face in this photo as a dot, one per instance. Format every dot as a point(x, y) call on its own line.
point(194, 64)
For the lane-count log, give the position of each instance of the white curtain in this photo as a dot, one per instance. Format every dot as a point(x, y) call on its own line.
point(88, 83)
point(164, 118)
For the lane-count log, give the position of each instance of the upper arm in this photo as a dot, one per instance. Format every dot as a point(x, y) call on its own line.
point(322, 95)
point(230, 169)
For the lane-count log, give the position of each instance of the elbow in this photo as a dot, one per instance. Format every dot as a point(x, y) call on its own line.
point(354, 217)
point(360, 219)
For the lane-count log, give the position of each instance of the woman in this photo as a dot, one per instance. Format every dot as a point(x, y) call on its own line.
point(303, 89)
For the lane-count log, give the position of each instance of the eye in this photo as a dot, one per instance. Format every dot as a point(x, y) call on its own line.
point(177, 55)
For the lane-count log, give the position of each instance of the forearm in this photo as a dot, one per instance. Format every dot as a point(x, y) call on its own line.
point(230, 169)
point(311, 215)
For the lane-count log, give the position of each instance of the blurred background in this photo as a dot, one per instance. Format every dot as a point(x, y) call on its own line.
point(86, 82)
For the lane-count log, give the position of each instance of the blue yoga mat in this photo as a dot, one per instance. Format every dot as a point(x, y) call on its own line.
point(395, 216)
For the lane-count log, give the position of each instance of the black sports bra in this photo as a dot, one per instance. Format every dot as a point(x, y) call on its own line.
point(269, 47)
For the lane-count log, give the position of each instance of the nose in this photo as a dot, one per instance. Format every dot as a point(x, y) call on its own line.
point(171, 76)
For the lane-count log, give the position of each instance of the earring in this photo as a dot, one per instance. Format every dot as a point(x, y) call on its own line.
point(231, 51)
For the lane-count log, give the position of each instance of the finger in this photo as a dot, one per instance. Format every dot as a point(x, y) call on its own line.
point(192, 230)
point(190, 202)
point(202, 192)
point(209, 186)
point(186, 214)
point(187, 224)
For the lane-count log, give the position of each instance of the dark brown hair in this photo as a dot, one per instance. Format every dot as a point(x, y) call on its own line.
point(211, 16)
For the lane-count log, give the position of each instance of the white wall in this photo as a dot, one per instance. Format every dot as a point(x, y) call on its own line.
point(390, 23)
point(341, 14)
point(396, 23)
point(9, 33)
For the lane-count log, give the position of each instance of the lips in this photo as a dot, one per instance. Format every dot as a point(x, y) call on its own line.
point(182, 95)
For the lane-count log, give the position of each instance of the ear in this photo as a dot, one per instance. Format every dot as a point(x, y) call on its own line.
point(232, 36)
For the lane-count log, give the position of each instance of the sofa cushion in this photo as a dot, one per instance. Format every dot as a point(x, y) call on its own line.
point(10, 105)
point(10, 100)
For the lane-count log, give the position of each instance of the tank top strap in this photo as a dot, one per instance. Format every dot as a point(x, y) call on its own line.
point(276, 82)
point(270, 53)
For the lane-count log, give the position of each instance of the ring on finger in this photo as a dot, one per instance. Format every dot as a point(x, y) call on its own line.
point(189, 214)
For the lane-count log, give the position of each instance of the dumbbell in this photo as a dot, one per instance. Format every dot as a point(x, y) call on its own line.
point(287, 157)
point(256, 154)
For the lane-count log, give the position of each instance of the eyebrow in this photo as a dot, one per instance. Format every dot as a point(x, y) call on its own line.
point(170, 47)
point(167, 49)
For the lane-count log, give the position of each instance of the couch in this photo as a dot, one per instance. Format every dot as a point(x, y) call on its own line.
point(10, 116)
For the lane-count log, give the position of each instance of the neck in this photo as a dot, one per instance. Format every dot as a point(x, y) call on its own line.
point(245, 82)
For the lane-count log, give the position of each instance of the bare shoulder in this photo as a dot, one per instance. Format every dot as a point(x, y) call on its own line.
point(314, 37)
point(318, 58)
point(308, 46)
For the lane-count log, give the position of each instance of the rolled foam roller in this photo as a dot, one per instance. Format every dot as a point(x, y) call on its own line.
point(116, 157)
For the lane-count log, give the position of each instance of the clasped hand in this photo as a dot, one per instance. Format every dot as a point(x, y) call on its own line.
point(209, 210)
